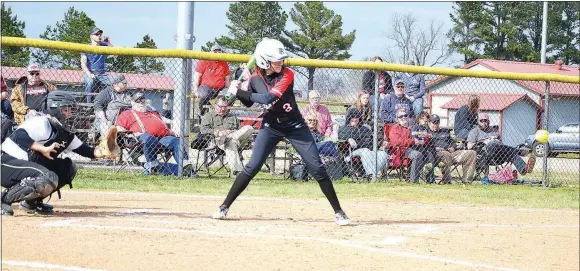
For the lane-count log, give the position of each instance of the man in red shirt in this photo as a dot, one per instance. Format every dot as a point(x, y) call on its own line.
point(209, 79)
point(150, 129)
point(400, 136)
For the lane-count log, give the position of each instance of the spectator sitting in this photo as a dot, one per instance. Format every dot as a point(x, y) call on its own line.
point(93, 65)
point(421, 131)
point(6, 108)
point(29, 94)
point(209, 79)
point(415, 88)
point(150, 129)
point(400, 136)
point(488, 138)
point(167, 113)
point(230, 136)
point(370, 79)
point(326, 148)
point(362, 108)
point(360, 138)
point(110, 102)
point(466, 117)
point(320, 112)
point(448, 154)
point(393, 102)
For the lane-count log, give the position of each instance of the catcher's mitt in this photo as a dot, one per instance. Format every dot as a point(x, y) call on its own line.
point(108, 147)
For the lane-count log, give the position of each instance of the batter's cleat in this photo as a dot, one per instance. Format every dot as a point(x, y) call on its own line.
point(221, 213)
point(36, 206)
point(6, 210)
point(341, 218)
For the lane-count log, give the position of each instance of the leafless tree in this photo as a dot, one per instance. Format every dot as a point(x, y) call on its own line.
point(406, 40)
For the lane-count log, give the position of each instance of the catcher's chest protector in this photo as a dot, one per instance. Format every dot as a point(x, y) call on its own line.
point(59, 135)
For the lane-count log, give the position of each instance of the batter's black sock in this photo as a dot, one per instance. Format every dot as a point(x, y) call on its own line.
point(328, 190)
point(240, 184)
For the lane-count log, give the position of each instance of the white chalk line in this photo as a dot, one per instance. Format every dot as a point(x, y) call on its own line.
point(421, 226)
point(318, 200)
point(417, 231)
point(47, 266)
point(345, 243)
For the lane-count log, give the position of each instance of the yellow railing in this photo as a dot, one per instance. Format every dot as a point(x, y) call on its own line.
point(358, 65)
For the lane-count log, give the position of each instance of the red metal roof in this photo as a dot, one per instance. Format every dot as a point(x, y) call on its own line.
point(489, 102)
point(556, 88)
point(135, 81)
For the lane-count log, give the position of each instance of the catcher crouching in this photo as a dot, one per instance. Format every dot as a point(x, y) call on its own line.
point(31, 169)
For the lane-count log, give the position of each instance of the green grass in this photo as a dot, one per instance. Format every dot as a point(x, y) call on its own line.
point(265, 185)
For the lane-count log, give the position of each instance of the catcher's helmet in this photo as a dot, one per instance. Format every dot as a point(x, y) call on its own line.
point(60, 98)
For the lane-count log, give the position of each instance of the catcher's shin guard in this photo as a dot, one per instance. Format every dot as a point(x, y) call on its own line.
point(32, 188)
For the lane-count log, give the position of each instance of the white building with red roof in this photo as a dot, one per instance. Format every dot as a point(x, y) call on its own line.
point(514, 105)
point(154, 86)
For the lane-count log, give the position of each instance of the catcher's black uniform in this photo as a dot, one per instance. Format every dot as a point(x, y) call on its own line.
point(282, 119)
point(27, 174)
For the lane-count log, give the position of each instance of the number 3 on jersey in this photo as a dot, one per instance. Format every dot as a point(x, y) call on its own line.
point(287, 107)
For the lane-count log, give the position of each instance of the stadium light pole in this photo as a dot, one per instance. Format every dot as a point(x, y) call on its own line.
point(544, 32)
point(182, 81)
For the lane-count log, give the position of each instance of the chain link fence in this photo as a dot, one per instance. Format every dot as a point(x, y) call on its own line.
point(369, 125)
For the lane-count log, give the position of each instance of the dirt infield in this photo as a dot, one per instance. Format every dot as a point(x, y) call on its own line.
point(140, 231)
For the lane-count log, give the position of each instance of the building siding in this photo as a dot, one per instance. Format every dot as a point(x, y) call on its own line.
point(519, 121)
point(481, 85)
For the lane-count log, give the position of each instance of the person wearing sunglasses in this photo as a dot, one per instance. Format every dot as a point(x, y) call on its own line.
point(29, 95)
point(93, 65)
point(152, 131)
point(400, 136)
point(326, 148)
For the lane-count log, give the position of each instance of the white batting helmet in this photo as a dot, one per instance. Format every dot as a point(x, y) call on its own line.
point(269, 50)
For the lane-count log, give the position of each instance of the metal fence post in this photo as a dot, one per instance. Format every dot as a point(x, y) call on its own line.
point(376, 125)
point(183, 79)
point(545, 126)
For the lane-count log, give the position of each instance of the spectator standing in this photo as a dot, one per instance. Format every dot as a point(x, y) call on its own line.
point(370, 80)
point(415, 88)
point(320, 112)
point(209, 79)
point(93, 65)
point(29, 95)
point(466, 117)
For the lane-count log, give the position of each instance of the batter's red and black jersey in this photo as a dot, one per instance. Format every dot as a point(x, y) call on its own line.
point(282, 85)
